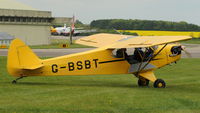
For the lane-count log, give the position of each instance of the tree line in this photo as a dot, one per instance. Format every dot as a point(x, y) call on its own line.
point(122, 24)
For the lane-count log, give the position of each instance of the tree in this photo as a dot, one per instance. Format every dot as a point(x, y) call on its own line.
point(122, 24)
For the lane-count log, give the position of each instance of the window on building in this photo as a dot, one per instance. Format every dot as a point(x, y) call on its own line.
point(28, 19)
point(43, 20)
point(12, 19)
point(23, 19)
point(17, 19)
point(6, 19)
point(1, 18)
point(49, 20)
point(46, 20)
point(34, 19)
point(39, 20)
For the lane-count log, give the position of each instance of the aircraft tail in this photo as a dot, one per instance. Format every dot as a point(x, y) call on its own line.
point(21, 57)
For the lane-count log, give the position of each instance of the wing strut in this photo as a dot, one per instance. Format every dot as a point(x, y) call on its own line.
point(149, 60)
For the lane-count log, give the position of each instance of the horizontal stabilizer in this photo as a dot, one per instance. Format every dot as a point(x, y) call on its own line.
point(33, 67)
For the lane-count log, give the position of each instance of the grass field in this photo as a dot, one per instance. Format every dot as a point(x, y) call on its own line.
point(103, 93)
point(164, 33)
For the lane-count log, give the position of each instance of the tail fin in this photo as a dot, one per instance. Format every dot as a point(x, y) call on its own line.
point(21, 57)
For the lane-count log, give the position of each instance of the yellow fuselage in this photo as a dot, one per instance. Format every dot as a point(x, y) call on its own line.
point(97, 62)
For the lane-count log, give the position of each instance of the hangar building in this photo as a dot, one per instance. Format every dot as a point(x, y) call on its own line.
point(24, 22)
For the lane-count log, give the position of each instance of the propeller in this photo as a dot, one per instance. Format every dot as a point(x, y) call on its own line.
point(186, 52)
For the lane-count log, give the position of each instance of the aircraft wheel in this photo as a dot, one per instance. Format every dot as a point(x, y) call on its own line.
point(143, 82)
point(14, 82)
point(159, 83)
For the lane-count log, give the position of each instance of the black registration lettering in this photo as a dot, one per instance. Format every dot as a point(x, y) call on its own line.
point(95, 61)
point(82, 65)
point(79, 65)
point(87, 64)
point(54, 68)
point(70, 66)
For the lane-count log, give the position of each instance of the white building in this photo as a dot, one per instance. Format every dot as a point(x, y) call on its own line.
point(24, 22)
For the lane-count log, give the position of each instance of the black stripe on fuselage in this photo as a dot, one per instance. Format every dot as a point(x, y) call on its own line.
point(119, 61)
point(112, 61)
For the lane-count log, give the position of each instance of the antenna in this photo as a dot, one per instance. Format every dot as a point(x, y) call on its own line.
point(72, 29)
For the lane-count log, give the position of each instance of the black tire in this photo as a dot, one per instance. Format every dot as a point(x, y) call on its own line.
point(143, 82)
point(159, 83)
point(14, 82)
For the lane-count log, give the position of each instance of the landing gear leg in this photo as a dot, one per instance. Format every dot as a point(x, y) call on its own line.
point(15, 81)
point(143, 82)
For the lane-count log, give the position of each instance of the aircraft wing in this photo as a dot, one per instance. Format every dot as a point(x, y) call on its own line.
point(101, 39)
point(147, 41)
point(126, 41)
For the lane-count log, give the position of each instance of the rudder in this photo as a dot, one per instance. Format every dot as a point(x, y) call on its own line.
point(21, 57)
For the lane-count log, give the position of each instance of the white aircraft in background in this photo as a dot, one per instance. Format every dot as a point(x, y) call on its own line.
point(60, 30)
point(71, 29)
point(65, 31)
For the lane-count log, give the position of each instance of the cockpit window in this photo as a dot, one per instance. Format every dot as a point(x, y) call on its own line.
point(120, 53)
point(134, 55)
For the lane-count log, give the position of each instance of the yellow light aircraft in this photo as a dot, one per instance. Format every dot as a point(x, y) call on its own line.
point(111, 57)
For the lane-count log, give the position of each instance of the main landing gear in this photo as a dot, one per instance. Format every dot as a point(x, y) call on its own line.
point(159, 83)
point(143, 82)
point(15, 81)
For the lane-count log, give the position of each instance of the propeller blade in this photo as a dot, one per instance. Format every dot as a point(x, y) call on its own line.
point(186, 52)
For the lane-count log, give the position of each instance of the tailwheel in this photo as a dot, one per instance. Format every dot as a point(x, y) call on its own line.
point(14, 82)
point(159, 83)
point(143, 82)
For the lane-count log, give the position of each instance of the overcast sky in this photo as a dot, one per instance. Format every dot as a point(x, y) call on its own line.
point(88, 10)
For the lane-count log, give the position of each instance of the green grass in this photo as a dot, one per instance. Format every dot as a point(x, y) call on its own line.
point(103, 93)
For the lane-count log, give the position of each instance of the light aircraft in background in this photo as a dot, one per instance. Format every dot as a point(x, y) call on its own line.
point(60, 30)
point(66, 31)
point(110, 57)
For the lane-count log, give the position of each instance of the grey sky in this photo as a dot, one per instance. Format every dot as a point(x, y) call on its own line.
point(88, 10)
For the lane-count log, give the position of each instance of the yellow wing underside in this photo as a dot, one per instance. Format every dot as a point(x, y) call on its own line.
point(112, 41)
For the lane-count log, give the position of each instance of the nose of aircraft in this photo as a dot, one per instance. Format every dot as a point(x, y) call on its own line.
point(176, 50)
point(175, 53)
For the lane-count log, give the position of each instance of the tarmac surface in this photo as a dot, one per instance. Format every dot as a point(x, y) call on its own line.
point(193, 49)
